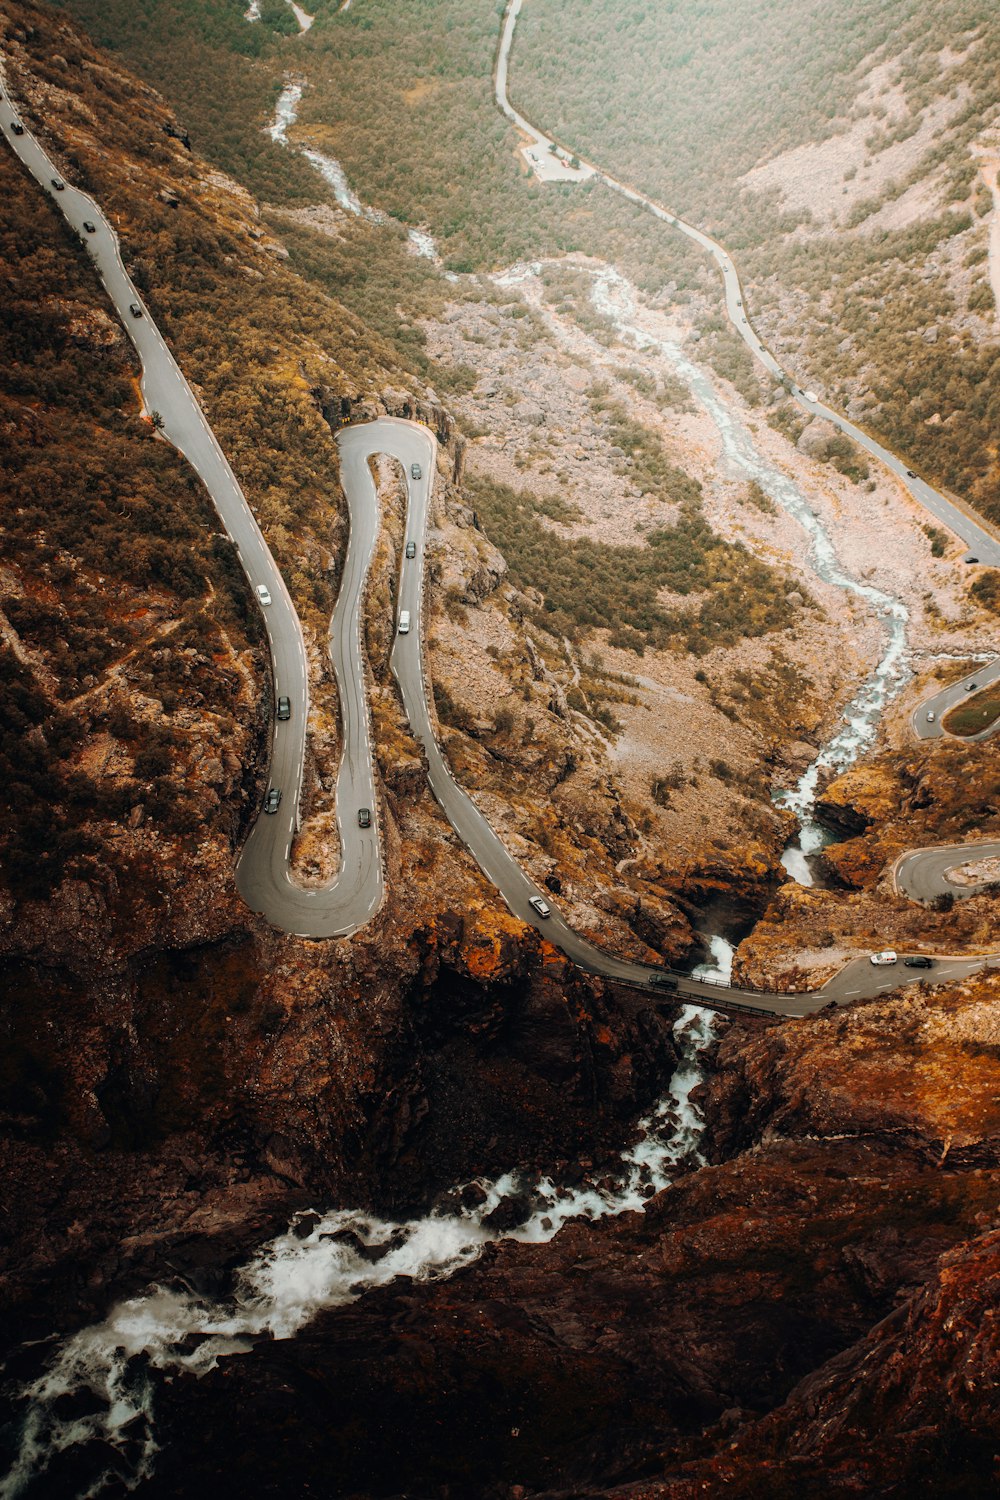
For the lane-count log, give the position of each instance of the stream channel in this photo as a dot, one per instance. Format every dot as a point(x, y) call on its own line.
point(326, 1260)
point(97, 1394)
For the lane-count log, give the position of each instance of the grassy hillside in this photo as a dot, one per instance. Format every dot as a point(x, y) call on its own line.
point(879, 296)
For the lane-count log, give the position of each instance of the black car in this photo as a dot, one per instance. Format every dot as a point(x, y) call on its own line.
point(910, 474)
point(273, 800)
point(17, 127)
point(58, 184)
point(135, 309)
point(89, 226)
point(919, 961)
point(364, 817)
point(663, 981)
point(411, 549)
point(284, 708)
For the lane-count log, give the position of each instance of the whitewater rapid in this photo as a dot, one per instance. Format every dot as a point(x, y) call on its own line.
point(321, 1261)
point(616, 299)
point(286, 112)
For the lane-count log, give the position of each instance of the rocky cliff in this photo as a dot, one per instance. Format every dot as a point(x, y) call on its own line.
point(811, 1308)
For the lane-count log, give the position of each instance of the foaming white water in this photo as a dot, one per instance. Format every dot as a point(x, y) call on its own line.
point(320, 1262)
point(330, 169)
point(614, 296)
point(720, 965)
point(286, 112)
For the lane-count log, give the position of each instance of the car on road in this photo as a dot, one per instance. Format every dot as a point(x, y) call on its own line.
point(971, 558)
point(273, 800)
point(910, 474)
point(930, 716)
point(542, 907)
point(263, 593)
point(411, 549)
point(416, 471)
point(17, 127)
point(919, 961)
point(887, 956)
point(970, 687)
point(810, 395)
point(663, 981)
point(135, 309)
point(90, 226)
point(364, 817)
point(284, 708)
point(404, 622)
point(58, 184)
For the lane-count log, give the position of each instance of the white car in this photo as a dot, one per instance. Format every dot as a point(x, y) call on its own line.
point(930, 716)
point(887, 956)
point(263, 593)
point(542, 907)
point(810, 395)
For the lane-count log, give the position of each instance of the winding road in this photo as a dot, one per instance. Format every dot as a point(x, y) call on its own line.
point(922, 875)
point(939, 703)
point(263, 871)
point(981, 542)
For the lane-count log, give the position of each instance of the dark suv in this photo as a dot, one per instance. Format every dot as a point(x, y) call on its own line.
point(284, 708)
point(364, 817)
point(918, 961)
point(273, 800)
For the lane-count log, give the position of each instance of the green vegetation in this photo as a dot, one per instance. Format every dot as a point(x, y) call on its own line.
point(587, 585)
point(938, 540)
point(974, 715)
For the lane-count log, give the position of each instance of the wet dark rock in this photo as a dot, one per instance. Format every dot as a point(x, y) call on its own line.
point(304, 1225)
point(512, 1212)
point(83, 1402)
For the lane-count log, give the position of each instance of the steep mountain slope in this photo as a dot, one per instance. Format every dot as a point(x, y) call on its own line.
point(168, 1061)
point(837, 151)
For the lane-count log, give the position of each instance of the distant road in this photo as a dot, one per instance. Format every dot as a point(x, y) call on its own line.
point(922, 875)
point(946, 698)
point(263, 873)
point(982, 543)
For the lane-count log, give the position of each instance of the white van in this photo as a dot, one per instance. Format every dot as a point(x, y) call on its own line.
point(404, 622)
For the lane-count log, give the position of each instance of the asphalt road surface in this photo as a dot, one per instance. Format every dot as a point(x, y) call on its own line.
point(165, 391)
point(921, 875)
point(263, 874)
point(958, 692)
point(983, 545)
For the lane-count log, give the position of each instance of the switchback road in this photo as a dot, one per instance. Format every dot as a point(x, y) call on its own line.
point(263, 873)
point(922, 875)
point(929, 728)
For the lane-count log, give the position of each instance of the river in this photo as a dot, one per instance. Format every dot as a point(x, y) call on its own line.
point(99, 1387)
point(617, 300)
point(286, 112)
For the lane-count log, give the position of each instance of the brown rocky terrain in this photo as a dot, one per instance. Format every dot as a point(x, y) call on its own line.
point(812, 1308)
point(939, 793)
point(174, 1075)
